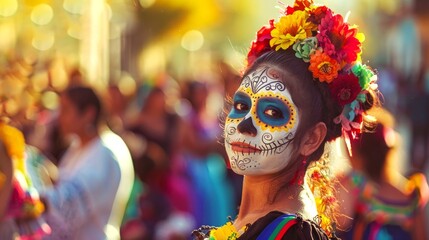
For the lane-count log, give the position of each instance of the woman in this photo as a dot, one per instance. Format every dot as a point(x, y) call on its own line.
point(95, 174)
point(304, 86)
point(383, 203)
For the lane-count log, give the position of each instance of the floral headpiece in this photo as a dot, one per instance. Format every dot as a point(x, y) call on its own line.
point(331, 46)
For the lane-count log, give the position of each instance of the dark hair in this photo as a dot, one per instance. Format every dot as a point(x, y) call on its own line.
point(84, 98)
point(311, 96)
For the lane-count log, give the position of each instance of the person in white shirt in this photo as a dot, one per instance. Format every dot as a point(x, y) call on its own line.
point(95, 175)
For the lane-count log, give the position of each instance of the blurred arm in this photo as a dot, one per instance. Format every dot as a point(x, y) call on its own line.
point(89, 192)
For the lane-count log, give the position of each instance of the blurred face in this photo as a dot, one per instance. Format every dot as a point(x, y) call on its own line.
point(70, 120)
point(261, 124)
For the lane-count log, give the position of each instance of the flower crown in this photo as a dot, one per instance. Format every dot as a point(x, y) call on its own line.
point(331, 46)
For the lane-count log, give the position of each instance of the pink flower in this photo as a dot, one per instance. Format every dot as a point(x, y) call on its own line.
point(338, 40)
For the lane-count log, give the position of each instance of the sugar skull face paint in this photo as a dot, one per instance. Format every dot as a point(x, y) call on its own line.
point(261, 124)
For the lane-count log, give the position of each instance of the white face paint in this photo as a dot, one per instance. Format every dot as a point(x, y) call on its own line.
point(261, 125)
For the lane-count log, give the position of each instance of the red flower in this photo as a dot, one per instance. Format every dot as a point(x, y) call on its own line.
point(299, 5)
point(302, 4)
point(338, 40)
point(261, 44)
point(317, 14)
point(345, 88)
point(289, 10)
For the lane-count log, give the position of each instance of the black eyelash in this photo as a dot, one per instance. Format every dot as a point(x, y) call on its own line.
point(279, 113)
point(244, 104)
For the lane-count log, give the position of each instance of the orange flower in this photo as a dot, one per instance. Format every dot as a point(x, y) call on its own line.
point(323, 67)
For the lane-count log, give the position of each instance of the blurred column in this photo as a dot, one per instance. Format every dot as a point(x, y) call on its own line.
point(94, 50)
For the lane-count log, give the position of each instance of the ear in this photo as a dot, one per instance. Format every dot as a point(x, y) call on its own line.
point(313, 138)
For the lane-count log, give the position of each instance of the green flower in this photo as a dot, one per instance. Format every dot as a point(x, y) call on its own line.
point(303, 49)
point(363, 73)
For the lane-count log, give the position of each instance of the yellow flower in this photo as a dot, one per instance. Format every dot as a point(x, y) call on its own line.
point(289, 29)
point(14, 142)
point(226, 232)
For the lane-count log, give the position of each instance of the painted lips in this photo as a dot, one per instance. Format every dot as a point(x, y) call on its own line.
point(244, 148)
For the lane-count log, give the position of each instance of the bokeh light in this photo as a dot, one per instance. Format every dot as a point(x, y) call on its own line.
point(8, 7)
point(50, 100)
point(127, 84)
point(192, 40)
point(146, 3)
point(42, 14)
point(43, 40)
point(74, 6)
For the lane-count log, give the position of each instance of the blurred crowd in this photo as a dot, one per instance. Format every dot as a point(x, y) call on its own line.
point(157, 168)
point(150, 163)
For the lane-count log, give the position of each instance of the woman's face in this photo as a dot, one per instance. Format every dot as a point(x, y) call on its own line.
point(261, 124)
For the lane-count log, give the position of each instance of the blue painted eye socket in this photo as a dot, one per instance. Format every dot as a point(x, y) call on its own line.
point(242, 105)
point(273, 111)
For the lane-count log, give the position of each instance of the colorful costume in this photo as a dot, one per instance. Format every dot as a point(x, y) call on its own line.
point(377, 218)
point(24, 206)
point(275, 225)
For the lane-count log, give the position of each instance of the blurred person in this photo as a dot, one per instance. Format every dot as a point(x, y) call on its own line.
point(405, 62)
point(95, 174)
point(213, 193)
point(160, 167)
point(47, 138)
point(417, 111)
point(159, 163)
point(304, 85)
point(117, 110)
point(378, 202)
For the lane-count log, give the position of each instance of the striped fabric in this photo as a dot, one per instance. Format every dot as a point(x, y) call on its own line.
point(278, 228)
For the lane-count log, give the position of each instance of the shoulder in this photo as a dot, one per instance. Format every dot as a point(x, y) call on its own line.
point(284, 226)
point(418, 183)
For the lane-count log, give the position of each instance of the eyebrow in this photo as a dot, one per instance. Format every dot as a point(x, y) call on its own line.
point(241, 94)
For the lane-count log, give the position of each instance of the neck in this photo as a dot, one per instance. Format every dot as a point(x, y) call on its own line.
point(87, 136)
point(263, 194)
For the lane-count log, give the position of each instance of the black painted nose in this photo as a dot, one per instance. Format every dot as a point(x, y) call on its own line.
point(246, 127)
